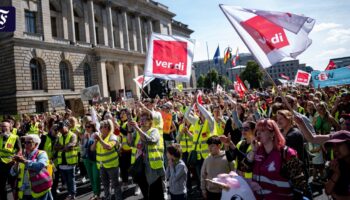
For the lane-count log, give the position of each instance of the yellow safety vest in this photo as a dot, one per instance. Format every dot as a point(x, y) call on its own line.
point(34, 129)
point(8, 151)
point(185, 141)
point(125, 145)
point(21, 178)
point(249, 149)
point(72, 155)
point(155, 151)
point(106, 158)
point(14, 131)
point(220, 127)
point(202, 146)
point(48, 147)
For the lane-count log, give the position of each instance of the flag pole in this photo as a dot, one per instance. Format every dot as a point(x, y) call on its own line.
point(208, 62)
point(260, 65)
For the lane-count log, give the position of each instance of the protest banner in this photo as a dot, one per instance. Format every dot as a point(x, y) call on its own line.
point(302, 78)
point(57, 101)
point(90, 93)
point(169, 57)
point(340, 76)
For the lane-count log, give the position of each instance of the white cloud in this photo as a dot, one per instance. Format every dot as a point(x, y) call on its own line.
point(332, 53)
point(325, 26)
point(340, 35)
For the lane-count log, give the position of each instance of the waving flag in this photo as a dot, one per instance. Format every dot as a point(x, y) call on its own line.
point(219, 89)
point(142, 81)
point(227, 55)
point(235, 59)
point(239, 86)
point(270, 36)
point(169, 57)
point(284, 76)
point(331, 65)
point(217, 55)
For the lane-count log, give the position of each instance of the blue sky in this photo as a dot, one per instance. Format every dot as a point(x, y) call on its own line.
point(331, 33)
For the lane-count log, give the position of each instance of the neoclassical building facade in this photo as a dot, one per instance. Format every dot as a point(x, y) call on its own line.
point(63, 46)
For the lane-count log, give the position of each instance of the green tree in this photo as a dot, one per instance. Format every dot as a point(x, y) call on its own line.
point(224, 81)
point(200, 81)
point(212, 76)
point(252, 74)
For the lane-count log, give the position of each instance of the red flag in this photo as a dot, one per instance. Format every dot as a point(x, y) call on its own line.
point(239, 86)
point(284, 76)
point(331, 65)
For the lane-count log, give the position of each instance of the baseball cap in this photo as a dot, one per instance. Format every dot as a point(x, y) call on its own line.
point(338, 137)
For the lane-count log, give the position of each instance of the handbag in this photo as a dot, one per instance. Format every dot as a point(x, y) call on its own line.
point(137, 169)
point(192, 158)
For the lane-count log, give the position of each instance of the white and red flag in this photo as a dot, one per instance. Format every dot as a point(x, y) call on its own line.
point(270, 36)
point(239, 86)
point(284, 76)
point(169, 57)
point(331, 65)
point(143, 81)
point(235, 59)
point(302, 78)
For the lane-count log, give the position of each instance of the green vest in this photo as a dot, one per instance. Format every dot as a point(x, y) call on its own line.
point(8, 151)
point(106, 158)
point(185, 141)
point(72, 155)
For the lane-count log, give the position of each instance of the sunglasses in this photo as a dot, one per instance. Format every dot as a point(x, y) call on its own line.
point(28, 142)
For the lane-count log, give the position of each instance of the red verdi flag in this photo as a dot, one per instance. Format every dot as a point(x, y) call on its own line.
point(169, 57)
point(331, 65)
point(270, 36)
point(302, 78)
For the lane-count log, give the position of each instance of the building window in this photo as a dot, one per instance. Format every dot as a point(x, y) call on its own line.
point(30, 18)
point(77, 31)
point(35, 69)
point(39, 107)
point(97, 36)
point(53, 26)
point(64, 74)
point(87, 75)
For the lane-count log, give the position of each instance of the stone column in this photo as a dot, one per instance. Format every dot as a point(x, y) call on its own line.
point(119, 72)
point(120, 30)
point(110, 25)
point(102, 78)
point(70, 16)
point(45, 9)
point(20, 19)
point(125, 29)
point(134, 73)
point(91, 22)
point(139, 34)
point(86, 23)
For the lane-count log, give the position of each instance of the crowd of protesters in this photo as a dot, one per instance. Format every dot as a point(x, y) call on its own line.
point(287, 143)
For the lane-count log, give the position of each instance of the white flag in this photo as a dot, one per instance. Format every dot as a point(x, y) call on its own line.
point(169, 57)
point(270, 36)
point(143, 81)
point(219, 89)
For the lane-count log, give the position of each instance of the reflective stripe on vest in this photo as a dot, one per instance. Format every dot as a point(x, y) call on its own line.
point(8, 151)
point(185, 141)
point(72, 155)
point(106, 158)
point(40, 183)
point(249, 149)
point(125, 145)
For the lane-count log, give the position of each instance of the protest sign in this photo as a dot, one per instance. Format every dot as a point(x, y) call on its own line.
point(340, 76)
point(302, 78)
point(90, 93)
point(57, 101)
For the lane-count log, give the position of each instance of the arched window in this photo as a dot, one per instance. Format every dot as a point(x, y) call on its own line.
point(87, 75)
point(35, 69)
point(64, 74)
